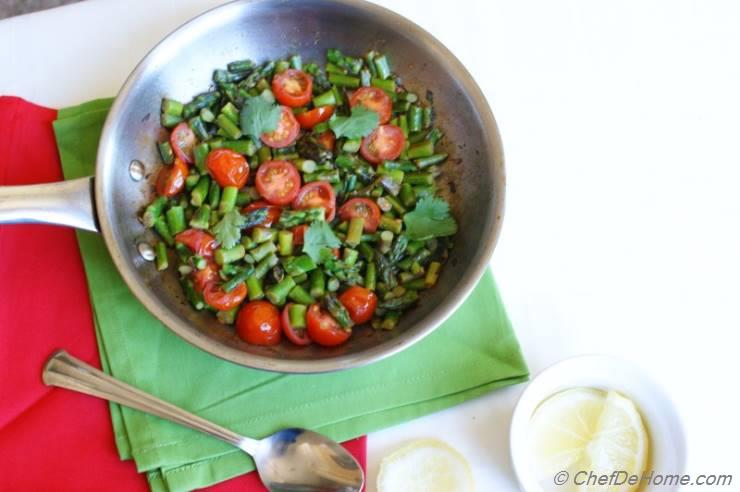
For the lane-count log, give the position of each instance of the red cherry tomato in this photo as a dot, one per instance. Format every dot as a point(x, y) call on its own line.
point(292, 87)
point(258, 323)
point(373, 99)
point(199, 242)
point(323, 329)
point(297, 336)
point(360, 302)
point(227, 167)
point(204, 277)
point(278, 182)
point(317, 194)
point(286, 131)
point(182, 140)
point(385, 143)
point(362, 207)
point(310, 119)
point(273, 213)
point(298, 233)
point(327, 140)
point(171, 179)
point(216, 297)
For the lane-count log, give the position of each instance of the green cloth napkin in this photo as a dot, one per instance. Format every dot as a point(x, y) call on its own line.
point(474, 352)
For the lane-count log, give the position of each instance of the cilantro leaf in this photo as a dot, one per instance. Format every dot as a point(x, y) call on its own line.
point(228, 229)
point(431, 218)
point(360, 123)
point(259, 116)
point(318, 237)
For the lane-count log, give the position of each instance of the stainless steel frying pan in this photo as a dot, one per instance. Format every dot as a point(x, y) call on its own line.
point(181, 65)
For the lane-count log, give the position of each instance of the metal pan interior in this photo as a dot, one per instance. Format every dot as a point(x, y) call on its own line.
point(181, 66)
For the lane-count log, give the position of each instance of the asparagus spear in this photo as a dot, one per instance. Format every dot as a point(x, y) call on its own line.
point(338, 311)
point(292, 218)
point(400, 303)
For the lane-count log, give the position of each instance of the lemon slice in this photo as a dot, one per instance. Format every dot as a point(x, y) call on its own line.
point(585, 429)
point(427, 465)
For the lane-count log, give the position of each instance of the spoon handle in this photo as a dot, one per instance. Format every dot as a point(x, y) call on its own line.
point(68, 372)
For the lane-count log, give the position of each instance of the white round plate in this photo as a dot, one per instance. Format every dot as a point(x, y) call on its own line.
point(663, 423)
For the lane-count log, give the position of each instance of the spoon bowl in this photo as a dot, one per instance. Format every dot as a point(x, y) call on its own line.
point(290, 460)
point(293, 456)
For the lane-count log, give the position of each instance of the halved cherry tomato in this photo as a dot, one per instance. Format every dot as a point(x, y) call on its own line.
point(258, 323)
point(373, 99)
point(317, 194)
point(362, 207)
point(297, 336)
point(171, 179)
point(360, 302)
point(385, 143)
point(310, 119)
point(201, 278)
point(298, 233)
point(327, 140)
point(278, 182)
point(227, 167)
point(273, 212)
point(182, 140)
point(286, 131)
point(292, 87)
point(199, 242)
point(323, 329)
point(216, 297)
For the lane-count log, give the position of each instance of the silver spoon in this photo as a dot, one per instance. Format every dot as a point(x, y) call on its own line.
point(291, 460)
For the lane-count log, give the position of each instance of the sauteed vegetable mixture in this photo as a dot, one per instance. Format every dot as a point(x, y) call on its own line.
point(299, 200)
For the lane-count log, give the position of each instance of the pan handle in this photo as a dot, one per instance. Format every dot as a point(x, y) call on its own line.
point(68, 203)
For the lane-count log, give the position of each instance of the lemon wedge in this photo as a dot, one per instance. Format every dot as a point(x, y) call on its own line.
point(427, 465)
point(587, 430)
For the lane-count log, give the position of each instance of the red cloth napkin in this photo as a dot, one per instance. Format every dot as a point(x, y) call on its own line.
point(54, 439)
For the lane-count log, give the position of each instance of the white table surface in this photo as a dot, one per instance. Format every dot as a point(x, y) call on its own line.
point(621, 126)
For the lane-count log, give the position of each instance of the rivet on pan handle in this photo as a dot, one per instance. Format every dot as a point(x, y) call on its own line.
point(67, 203)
